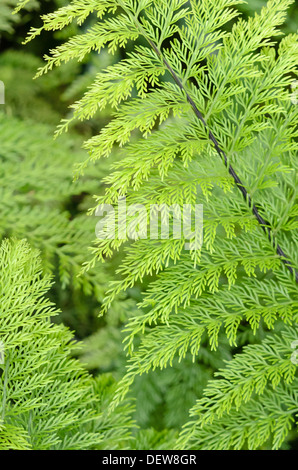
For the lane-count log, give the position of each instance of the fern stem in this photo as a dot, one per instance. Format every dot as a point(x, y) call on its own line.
point(266, 227)
point(264, 224)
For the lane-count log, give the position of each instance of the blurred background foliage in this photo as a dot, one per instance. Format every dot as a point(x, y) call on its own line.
point(40, 202)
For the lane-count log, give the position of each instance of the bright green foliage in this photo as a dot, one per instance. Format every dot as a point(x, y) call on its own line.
point(290, 25)
point(265, 370)
point(237, 283)
point(48, 401)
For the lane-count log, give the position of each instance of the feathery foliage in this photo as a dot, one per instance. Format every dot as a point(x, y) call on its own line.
point(48, 399)
point(37, 209)
point(201, 114)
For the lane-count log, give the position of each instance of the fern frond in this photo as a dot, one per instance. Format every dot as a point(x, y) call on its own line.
point(202, 116)
point(48, 400)
point(265, 370)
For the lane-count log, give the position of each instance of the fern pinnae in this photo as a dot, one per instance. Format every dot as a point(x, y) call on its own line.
point(263, 223)
point(192, 310)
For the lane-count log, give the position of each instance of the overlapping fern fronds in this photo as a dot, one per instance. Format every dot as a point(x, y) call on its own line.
point(48, 401)
point(40, 202)
point(201, 113)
